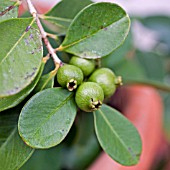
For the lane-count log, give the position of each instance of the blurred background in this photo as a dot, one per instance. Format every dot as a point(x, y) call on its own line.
point(144, 63)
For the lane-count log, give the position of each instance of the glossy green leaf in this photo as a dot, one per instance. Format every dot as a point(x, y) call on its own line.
point(45, 82)
point(21, 54)
point(61, 15)
point(13, 151)
point(96, 31)
point(117, 136)
point(47, 118)
point(11, 101)
point(8, 10)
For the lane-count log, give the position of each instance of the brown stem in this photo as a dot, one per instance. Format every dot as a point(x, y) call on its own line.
point(50, 49)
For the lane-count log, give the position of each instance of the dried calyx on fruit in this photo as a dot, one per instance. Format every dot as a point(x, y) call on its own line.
point(89, 96)
point(106, 79)
point(87, 66)
point(69, 76)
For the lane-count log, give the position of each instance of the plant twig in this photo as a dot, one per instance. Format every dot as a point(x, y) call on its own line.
point(50, 49)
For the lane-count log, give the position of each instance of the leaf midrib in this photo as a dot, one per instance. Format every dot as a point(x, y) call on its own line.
point(112, 129)
point(52, 113)
point(18, 41)
point(86, 37)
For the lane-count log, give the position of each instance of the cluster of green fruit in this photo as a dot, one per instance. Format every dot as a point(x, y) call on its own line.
point(101, 83)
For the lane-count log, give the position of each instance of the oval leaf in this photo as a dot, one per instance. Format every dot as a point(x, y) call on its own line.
point(117, 136)
point(47, 118)
point(96, 31)
point(13, 151)
point(21, 54)
point(11, 101)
